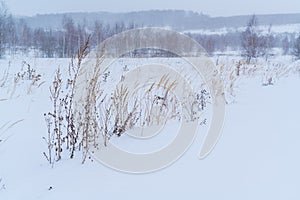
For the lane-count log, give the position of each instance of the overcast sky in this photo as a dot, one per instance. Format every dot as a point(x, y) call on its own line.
point(211, 7)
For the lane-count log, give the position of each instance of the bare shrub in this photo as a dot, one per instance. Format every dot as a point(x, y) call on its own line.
point(73, 70)
point(61, 127)
point(29, 76)
point(54, 121)
point(194, 104)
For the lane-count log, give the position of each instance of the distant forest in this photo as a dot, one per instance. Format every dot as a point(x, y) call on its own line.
point(60, 35)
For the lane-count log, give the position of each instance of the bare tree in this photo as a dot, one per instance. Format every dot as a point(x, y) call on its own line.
point(3, 25)
point(296, 50)
point(25, 35)
point(69, 37)
point(285, 43)
point(251, 40)
point(267, 43)
point(98, 33)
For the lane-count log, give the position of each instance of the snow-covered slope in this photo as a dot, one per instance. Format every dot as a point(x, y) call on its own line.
point(275, 29)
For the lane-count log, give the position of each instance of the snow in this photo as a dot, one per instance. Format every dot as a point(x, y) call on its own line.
point(275, 29)
point(278, 29)
point(257, 156)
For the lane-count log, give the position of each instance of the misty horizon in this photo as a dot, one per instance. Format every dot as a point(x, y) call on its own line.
point(149, 10)
point(212, 8)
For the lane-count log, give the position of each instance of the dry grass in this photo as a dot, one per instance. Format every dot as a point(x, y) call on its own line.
point(4, 78)
point(4, 128)
point(157, 102)
point(234, 71)
point(102, 116)
point(63, 133)
point(27, 75)
point(231, 74)
point(116, 116)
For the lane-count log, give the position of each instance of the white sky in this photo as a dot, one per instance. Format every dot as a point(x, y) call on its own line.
point(211, 7)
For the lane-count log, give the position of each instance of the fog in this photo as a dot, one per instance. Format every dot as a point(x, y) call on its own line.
point(210, 7)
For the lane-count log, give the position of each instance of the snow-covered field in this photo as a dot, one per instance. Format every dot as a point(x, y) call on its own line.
point(276, 29)
point(257, 156)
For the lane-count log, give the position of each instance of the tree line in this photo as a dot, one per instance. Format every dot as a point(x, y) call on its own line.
point(16, 36)
point(252, 42)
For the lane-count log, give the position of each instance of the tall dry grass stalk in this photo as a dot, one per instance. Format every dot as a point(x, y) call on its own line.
point(5, 128)
point(63, 132)
point(116, 115)
point(157, 102)
point(4, 79)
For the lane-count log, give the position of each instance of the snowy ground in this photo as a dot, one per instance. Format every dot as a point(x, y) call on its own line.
point(276, 29)
point(257, 156)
